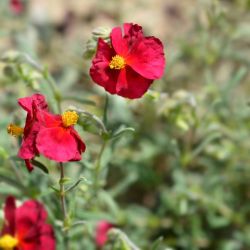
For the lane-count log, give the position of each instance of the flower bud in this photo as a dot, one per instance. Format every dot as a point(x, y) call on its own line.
point(101, 32)
point(9, 71)
point(12, 56)
point(90, 47)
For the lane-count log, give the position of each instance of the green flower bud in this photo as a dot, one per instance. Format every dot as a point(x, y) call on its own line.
point(90, 47)
point(9, 71)
point(12, 57)
point(101, 32)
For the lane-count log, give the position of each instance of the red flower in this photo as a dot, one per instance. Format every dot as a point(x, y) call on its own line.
point(16, 6)
point(102, 229)
point(25, 227)
point(44, 133)
point(32, 105)
point(128, 65)
point(57, 139)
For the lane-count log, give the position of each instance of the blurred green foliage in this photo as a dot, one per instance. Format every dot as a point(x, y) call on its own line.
point(182, 179)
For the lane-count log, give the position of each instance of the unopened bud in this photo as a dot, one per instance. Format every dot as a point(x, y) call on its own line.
point(9, 71)
point(90, 47)
point(12, 56)
point(101, 32)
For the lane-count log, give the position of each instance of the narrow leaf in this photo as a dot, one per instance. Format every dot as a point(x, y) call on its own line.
point(40, 165)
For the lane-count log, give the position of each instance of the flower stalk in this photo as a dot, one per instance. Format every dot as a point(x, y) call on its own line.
point(64, 204)
point(62, 192)
point(98, 167)
point(54, 89)
point(105, 112)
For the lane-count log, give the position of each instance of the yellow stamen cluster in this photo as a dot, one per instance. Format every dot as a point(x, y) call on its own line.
point(14, 130)
point(8, 242)
point(69, 118)
point(117, 62)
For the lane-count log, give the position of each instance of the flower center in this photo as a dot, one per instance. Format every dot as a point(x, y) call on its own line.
point(69, 118)
point(14, 130)
point(8, 242)
point(117, 62)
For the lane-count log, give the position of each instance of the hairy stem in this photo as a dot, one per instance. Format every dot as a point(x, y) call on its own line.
point(63, 204)
point(55, 91)
point(62, 191)
point(48, 78)
point(105, 112)
point(98, 168)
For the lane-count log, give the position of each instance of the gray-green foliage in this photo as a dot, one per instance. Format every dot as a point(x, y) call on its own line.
point(181, 177)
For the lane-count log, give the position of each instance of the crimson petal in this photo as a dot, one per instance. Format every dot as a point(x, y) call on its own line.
point(147, 58)
point(100, 71)
point(57, 144)
point(124, 40)
point(28, 148)
point(10, 217)
point(134, 84)
point(37, 100)
point(32, 230)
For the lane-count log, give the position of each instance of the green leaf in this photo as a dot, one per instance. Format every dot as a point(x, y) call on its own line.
point(122, 132)
point(109, 202)
point(121, 239)
point(92, 117)
point(156, 243)
point(123, 185)
point(64, 180)
point(10, 181)
point(40, 165)
point(79, 99)
point(55, 189)
point(77, 183)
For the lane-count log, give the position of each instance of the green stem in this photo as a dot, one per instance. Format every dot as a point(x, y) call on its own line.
point(17, 173)
point(55, 90)
point(105, 112)
point(78, 99)
point(98, 161)
point(63, 204)
point(98, 168)
point(62, 191)
point(48, 78)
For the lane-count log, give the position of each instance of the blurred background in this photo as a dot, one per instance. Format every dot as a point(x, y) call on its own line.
point(184, 175)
